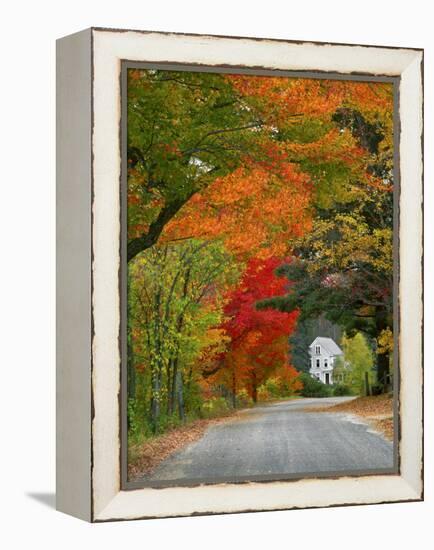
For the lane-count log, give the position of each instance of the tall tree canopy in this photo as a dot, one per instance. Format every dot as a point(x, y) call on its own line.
point(343, 267)
point(188, 130)
point(256, 206)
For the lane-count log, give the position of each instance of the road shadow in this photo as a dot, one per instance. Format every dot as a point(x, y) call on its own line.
point(47, 499)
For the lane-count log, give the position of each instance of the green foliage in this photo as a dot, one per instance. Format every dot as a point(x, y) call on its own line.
point(193, 399)
point(339, 370)
point(214, 407)
point(341, 390)
point(243, 399)
point(168, 422)
point(134, 424)
point(185, 129)
point(307, 130)
point(331, 180)
point(299, 343)
point(312, 387)
point(170, 317)
point(172, 120)
point(273, 387)
point(358, 361)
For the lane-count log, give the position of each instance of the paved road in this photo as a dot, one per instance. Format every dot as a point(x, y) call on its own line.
point(280, 439)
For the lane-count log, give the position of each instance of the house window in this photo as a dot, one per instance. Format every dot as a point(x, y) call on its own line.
point(318, 363)
point(325, 363)
point(318, 350)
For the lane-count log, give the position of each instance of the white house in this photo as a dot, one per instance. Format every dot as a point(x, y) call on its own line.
point(323, 352)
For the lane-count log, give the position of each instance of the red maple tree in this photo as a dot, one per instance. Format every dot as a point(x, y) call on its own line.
point(259, 338)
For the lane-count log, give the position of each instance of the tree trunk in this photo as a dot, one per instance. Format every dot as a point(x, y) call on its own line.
point(180, 395)
point(156, 368)
point(173, 388)
point(170, 375)
point(138, 244)
point(383, 370)
point(174, 361)
point(367, 388)
point(254, 388)
point(155, 401)
point(234, 389)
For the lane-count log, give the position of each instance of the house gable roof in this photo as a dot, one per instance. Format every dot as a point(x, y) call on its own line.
point(328, 344)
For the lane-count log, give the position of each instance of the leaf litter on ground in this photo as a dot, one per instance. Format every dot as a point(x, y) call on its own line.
point(377, 410)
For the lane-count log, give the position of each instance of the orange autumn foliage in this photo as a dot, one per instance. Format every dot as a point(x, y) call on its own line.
point(285, 98)
point(289, 377)
point(285, 103)
point(253, 211)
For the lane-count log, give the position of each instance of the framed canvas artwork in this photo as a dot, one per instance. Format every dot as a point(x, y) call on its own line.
point(239, 266)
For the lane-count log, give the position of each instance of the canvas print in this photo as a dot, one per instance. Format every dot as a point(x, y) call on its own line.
point(260, 276)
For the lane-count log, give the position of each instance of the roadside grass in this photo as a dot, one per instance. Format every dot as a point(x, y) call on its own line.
point(377, 410)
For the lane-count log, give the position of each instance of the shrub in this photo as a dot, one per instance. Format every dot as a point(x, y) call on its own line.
point(273, 387)
point(312, 387)
point(133, 419)
point(193, 400)
point(263, 393)
point(216, 406)
point(286, 383)
point(290, 381)
point(167, 422)
point(342, 389)
point(270, 389)
point(139, 425)
point(243, 399)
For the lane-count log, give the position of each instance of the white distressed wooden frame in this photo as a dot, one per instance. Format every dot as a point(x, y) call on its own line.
point(88, 359)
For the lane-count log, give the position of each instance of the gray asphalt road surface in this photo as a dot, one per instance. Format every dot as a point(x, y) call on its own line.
point(280, 439)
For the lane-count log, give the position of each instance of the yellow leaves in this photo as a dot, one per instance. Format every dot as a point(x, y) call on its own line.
point(347, 239)
point(213, 342)
point(385, 341)
point(335, 145)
